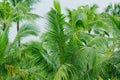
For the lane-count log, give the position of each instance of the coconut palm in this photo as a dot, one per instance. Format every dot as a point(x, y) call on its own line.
point(5, 14)
point(82, 45)
point(78, 48)
point(112, 64)
point(22, 11)
point(11, 54)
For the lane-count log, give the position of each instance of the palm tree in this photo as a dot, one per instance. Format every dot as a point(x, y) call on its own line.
point(5, 14)
point(113, 61)
point(22, 10)
point(11, 54)
point(83, 43)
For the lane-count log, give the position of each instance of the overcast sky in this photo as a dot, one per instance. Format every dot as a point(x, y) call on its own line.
point(44, 6)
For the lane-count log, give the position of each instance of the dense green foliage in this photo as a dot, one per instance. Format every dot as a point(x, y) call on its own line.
point(79, 45)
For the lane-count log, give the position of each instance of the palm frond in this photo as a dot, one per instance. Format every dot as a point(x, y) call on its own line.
point(26, 30)
point(116, 20)
point(65, 72)
point(56, 31)
point(4, 40)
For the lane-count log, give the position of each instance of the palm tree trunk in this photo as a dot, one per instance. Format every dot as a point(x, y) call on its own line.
point(14, 4)
point(17, 32)
point(89, 31)
point(4, 26)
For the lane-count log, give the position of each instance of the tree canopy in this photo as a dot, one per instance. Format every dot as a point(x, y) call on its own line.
point(80, 45)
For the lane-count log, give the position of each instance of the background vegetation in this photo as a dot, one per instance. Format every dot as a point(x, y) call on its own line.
point(79, 45)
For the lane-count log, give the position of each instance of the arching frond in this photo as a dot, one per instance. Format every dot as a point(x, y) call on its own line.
point(56, 31)
point(26, 30)
point(4, 40)
point(65, 72)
